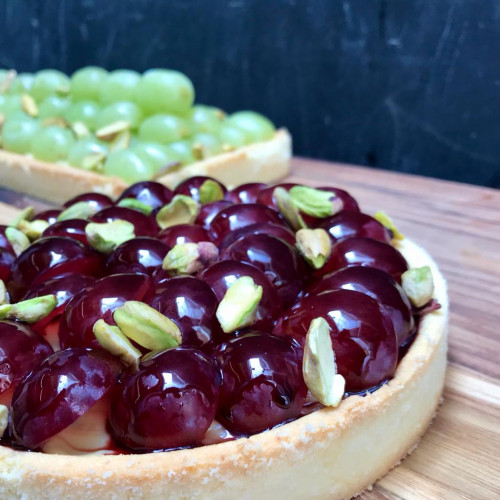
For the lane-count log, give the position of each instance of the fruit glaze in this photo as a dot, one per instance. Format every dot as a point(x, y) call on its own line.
point(177, 319)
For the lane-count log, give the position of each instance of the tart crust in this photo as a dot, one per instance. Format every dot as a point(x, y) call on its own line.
point(263, 161)
point(333, 453)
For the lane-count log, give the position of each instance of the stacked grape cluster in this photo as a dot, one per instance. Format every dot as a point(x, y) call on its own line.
point(169, 319)
point(119, 123)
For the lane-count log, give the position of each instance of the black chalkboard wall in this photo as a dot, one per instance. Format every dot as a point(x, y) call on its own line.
point(404, 85)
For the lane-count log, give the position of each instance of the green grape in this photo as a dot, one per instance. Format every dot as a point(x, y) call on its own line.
point(53, 107)
point(163, 129)
point(3, 74)
point(83, 111)
point(126, 111)
point(129, 166)
point(10, 104)
point(156, 154)
point(205, 145)
point(183, 150)
point(17, 134)
point(164, 91)
point(206, 119)
point(49, 82)
point(86, 83)
point(119, 86)
point(258, 127)
point(83, 148)
point(22, 84)
point(52, 144)
point(233, 136)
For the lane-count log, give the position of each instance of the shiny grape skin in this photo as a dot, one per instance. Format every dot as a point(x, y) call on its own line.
point(245, 193)
point(60, 390)
point(265, 197)
point(277, 230)
point(144, 225)
point(7, 259)
point(378, 285)
point(358, 251)
point(21, 350)
point(191, 187)
point(349, 202)
point(191, 304)
point(96, 200)
point(51, 257)
point(49, 216)
point(208, 211)
point(262, 383)
point(363, 338)
point(70, 228)
point(168, 403)
point(64, 288)
point(139, 255)
point(281, 263)
point(238, 216)
point(347, 224)
point(221, 275)
point(182, 233)
point(98, 301)
point(151, 193)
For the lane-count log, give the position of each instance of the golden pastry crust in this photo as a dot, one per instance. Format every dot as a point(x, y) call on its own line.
point(264, 161)
point(333, 453)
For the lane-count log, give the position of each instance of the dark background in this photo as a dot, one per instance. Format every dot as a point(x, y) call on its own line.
point(404, 85)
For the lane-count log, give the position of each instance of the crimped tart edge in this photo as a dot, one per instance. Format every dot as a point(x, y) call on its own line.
point(330, 454)
point(265, 161)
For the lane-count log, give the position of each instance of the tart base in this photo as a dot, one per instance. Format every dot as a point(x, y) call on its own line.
point(260, 162)
point(333, 453)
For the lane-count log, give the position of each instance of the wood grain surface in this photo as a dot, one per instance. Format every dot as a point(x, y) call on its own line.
point(459, 224)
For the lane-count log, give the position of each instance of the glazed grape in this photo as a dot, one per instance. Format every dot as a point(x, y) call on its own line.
point(21, 84)
point(98, 301)
point(265, 196)
point(70, 228)
point(83, 111)
point(97, 201)
point(262, 382)
point(278, 231)
point(17, 134)
point(257, 127)
point(49, 82)
point(233, 136)
point(53, 107)
point(205, 145)
point(208, 211)
point(183, 233)
point(119, 85)
point(205, 119)
point(150, 193)
point(168, 403)
point(6, 261)
point(191, 303)
point(363, 338)
point(128, 165)
point(156, 154)
point(51, 144)
point(86, 83)
point(183, 150)
point(246, 193)
point(59, 391)
point(48, 215)
point(82, 148)
point(120, 111)
point(144, 225)
point(21, 350)
point(163, 129)
point(191, 187)
point(164, 91)
point(349, 202)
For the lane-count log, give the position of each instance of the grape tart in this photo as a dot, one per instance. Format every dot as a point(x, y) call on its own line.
point(214, 343)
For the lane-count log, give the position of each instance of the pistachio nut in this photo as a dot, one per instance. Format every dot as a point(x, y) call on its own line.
point(315, 202)
point(181, 210)
point(418, 285)
point(288, 209)
point(189, 258)
point(314, 245)
point(30, 310)
point(106, 236)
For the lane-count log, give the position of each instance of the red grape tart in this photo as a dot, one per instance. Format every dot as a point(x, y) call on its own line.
point(270, 342)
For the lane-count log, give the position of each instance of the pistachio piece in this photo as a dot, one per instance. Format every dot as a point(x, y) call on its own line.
point(17, 239)
point(79, 210)
point(189, 258)
point(28, 105)
point(288, 209)
point(315, 202)
point(93, 162)
point(112, 340)
point(4, 419)
point(319, 367)
point(136, 205)
point(314, 245)
point(80, 130)
point(4, 296)
point(146, 326)
point(109, 132)
point(181, 210)
point(25, 214)
point(210, 191)
point(238, 307)
point(31, 310)
point(120, 141)
point(33, 229)
point(55, 121)
point(418, 285)
point(63, 89)
point(197, 149)
point(386, 221)
point(106, 236)
point(174, 166)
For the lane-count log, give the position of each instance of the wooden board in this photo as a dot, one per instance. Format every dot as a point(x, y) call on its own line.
point(459, 456)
